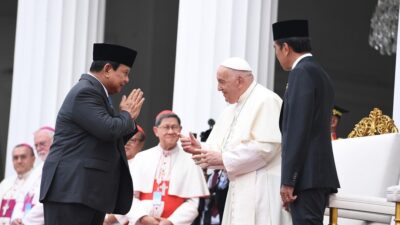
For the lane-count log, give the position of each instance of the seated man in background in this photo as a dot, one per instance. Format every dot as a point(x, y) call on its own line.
point(11, 188)
point(167, 182)
point(337, 113)
point(132, 147)
point(32, 213)
point(135, 145)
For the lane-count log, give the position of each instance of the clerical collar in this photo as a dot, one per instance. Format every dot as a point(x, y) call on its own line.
point(105, 89)
point(25, 175)
point(300, 58)
point(169, 152)
point(244, 96)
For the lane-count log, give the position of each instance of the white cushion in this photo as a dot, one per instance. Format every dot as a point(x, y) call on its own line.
point(367, 165)
point(362, 203)
point(393, 194)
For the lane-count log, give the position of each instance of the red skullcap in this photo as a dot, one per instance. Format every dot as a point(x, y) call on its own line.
point(167, 111)
point(140, 129)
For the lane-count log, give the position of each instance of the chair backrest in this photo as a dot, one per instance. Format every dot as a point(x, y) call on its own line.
point(368, 165)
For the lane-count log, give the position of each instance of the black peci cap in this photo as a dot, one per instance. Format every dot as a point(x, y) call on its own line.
point(115, 53)
point(290, 28)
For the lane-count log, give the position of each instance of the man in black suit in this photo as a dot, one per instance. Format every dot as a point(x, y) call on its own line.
point(308, 166)
point(86, 173)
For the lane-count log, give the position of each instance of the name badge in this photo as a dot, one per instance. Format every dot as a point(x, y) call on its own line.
point(28, 207)
point(158, 204)
point(157, 197)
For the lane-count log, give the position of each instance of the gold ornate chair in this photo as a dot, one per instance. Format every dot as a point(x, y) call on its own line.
point(366, 166)
point(376, 123)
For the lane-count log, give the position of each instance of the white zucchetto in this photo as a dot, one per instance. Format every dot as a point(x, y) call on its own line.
point(236, 63)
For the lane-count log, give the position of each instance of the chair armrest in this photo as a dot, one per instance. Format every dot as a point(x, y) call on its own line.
point(393, 194)
point(362, 207)
point(361, 203)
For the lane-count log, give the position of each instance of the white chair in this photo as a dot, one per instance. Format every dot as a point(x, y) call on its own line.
point(366, 167)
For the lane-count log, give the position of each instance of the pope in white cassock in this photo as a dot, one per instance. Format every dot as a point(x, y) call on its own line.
point(167, 182)
point(245, 142)
point(12, 188)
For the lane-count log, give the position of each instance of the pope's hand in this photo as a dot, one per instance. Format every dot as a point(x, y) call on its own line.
point(190, 144)
point(208, 158)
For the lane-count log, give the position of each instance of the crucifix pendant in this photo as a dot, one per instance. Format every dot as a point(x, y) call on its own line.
point(163, 188)
point(5, 208)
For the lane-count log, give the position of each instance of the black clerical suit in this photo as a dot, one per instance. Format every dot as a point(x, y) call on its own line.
point(307, 159)
point(87, 164)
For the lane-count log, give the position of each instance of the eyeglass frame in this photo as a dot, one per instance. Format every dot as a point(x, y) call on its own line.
point(167, 128)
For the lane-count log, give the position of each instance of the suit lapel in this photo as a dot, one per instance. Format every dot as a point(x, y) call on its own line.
point(98, 86)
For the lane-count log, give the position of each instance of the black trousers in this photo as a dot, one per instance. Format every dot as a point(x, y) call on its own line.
point(56, 213)
point(309, 207)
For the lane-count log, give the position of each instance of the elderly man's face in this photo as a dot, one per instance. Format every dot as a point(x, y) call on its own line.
point(43, 142)
point(228, 84)
point(168, 132)
point(134, 145)
point(23, 159)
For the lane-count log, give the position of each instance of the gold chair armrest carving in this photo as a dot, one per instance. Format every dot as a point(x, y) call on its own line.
point(376, 123)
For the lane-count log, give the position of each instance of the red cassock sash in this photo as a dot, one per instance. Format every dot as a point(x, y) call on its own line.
point(171, 202)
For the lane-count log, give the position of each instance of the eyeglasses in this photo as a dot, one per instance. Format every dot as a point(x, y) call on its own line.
point(41, 144)
point(167, 128)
